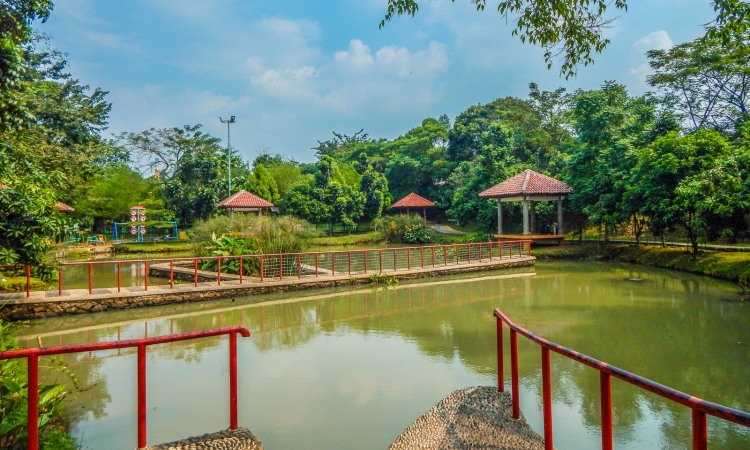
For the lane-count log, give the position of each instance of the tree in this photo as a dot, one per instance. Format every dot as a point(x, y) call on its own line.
point(196, 185)
point(261, 183)
point(706, 80)
point(611, 127)
point(164, 148)
point(699, 182)
point(570, 30)
point(377, 198)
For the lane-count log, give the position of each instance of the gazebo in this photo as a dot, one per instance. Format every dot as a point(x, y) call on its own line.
point(244, 201)
point(414, 201)
point(529, 187)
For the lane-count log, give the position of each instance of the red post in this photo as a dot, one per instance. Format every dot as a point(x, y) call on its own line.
point(145, 279)
point(28, 281)
point(514, 374)
point(333, 264)
point(119, 275)
point(349, 254)
point(142, 395)
point(455, 248)
point(394, 260)
point(433, 256)
point(316, 265)
point(500, 368)
point(299, 266)
point(218, 271)
point(171, 274)
point(380, 252)
point(421, 255)
point(261, 268)
point(196, 272)
point(59, 281)
point(468, 253)
point(91, 278)
point(605, 384)
point(364, 257)
point(700, 434)
point(547, 399)
point(240, 269)
point(408, 259)
point(233, 381)
point(281, 266)
point(32, 417)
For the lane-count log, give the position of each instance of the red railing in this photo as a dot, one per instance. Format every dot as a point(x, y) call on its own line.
point(269, 267)
point(32, 358)
point(700, 408)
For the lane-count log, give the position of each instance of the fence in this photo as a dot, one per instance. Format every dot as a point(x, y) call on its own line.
point(268, 267)
point(700, 408)
point(32, 358)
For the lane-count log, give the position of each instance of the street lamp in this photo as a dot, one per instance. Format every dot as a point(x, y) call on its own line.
point(229, 154)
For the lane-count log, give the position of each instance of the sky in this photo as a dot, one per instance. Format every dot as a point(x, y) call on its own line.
point(292, 72)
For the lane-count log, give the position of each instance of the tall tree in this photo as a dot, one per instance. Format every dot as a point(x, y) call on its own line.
point(706, 80)
point(261, 183)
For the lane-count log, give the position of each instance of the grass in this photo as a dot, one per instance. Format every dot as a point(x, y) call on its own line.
point(154, 247)
point(18, 284)
point(371, 237)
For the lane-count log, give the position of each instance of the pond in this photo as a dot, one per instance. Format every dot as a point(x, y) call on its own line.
point(352, 368)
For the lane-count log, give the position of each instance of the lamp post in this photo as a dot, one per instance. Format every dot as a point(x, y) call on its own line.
point(229, 154)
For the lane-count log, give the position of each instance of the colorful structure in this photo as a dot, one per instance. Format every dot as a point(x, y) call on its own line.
point(529, 187)
point(244, 201)
point(414, 201)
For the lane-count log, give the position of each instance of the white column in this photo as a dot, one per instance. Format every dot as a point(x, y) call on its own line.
point(559, 217)
point(532, 218)
point(499, 217)
point(525, 217)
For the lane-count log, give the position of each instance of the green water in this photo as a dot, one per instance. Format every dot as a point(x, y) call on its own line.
point(351, 369)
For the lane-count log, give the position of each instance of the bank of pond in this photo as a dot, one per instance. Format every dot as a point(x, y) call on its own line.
point(351, 368)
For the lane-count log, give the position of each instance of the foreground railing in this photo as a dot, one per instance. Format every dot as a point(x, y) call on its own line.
point(32, 358)
point(700, 408)
point(269, 267)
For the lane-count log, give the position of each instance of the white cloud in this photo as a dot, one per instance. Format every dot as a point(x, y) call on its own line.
point(658, 40)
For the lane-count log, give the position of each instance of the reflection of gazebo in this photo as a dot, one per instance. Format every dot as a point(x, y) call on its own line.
point(244, 201)
point(528, 187)
point(414, 201)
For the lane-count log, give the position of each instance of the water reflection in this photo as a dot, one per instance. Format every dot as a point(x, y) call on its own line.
point(352, 368)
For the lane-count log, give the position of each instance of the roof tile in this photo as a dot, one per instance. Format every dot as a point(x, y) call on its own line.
point(527, 182)
point(244, 199)
point(413, 201)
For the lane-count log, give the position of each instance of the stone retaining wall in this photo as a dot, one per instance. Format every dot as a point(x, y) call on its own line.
point(80, 303)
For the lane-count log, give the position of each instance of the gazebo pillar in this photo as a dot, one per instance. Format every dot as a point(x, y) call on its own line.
point(525, 217)
point(499, 216)
point(424, 216)
point(532, 217)
point(559, 217)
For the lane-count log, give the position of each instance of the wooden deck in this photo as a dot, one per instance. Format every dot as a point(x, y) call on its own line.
point(535, 238)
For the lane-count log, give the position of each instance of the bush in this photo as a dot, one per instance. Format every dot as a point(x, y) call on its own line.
point(402, 228)
point(14, 392)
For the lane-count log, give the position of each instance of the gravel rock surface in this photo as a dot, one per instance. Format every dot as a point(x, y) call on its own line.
point(470, 418)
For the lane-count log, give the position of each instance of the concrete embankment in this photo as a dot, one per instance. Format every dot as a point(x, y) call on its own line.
point(40, 304)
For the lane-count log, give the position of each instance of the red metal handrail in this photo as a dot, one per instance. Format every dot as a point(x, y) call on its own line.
point(522, 246)
point(700, 408)
point(32, 359)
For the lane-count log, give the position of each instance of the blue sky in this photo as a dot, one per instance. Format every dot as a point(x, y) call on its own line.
point(294, 71)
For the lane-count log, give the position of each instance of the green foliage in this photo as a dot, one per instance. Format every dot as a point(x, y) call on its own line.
point(261, 183)
point(374, 186)
point(381, 279)
point(402, 228)
point(570, 30)
point(14, 402)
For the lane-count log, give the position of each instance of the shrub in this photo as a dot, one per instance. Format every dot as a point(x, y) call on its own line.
point(395, 229)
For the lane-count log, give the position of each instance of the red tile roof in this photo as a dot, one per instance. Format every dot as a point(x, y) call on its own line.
point(62, 207)
point(527, 182)
point(244, 199)
point(413, 201)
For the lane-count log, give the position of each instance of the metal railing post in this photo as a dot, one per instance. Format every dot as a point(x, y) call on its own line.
point(195, 276)
point(500, 368)
point(218, 271)
point(32, 415)
point(514, 373)
point(91, 278)
point(142, 441)
point(233, 381)
point(605, 383)
point(59, 281)
point(119, 275)
point(28, 281)
point(145, 276)
point(171, 274)
point(241, 269)
point(700, 433)
point(547, 399)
